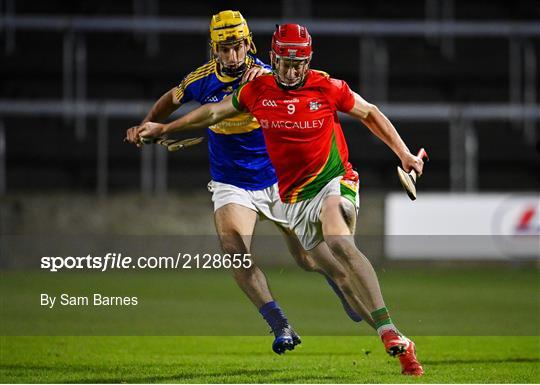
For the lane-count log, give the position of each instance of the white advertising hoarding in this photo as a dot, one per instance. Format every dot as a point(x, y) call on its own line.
point(462, 226)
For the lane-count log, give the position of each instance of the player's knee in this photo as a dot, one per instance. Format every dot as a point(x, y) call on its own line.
point(233, 244)
point(342, 246)
point(304, 261)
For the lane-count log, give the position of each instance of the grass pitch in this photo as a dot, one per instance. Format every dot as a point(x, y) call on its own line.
point(249, 360)
point(495, 312)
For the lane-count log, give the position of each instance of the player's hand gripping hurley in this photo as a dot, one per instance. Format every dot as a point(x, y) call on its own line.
point(172, 144)
point(408, 179)
point(151, 132)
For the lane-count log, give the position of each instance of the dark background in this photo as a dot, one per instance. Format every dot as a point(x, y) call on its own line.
point(49, 152)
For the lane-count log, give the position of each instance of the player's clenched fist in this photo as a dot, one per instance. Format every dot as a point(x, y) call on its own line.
point(148, 129)
point(131, 135)
point(410, 162)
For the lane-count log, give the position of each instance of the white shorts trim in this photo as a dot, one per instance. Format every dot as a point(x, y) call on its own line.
point(266, 202)
point(304, 216)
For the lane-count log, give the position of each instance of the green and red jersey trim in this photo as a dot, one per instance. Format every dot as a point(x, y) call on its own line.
point(332, 168)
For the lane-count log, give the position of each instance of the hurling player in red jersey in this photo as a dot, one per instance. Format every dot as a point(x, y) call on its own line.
point(244, 183)
point(297, 109)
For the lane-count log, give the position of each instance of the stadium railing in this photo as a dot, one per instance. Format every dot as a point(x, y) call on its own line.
point(522, 107)
point(461, 118)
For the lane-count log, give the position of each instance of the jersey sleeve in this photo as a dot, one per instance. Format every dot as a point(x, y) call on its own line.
point(342, 94)
point(241, 97)
point(183, 92)
point(259, 62)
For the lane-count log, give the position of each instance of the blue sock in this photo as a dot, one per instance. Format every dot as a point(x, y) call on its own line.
point(273, 315)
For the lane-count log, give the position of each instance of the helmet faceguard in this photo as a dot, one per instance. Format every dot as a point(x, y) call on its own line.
point(291, 55)
point(229, 28)
point(232, 58)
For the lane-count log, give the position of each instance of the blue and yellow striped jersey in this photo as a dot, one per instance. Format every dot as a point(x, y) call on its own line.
point(236, 145)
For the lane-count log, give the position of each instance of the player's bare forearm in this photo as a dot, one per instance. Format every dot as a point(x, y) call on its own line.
point(381, 127)
point(162, 108)
point(202, 117)
point(379, 124)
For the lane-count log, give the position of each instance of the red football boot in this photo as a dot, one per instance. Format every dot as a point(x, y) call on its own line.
point(402, 347)
point(394, 343)
point(409, 363)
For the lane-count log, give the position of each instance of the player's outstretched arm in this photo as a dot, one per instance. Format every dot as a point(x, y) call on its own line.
point(201, 117)
point(160, 111)
point(379, 124)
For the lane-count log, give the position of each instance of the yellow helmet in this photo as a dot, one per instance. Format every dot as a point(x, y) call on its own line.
point(229, 27)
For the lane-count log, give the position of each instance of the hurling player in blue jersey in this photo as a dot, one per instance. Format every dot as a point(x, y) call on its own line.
point(244, 184)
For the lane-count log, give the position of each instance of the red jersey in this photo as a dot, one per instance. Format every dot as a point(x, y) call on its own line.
point(301, 129)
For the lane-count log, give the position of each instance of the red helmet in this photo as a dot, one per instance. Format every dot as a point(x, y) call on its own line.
point(292, 41)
